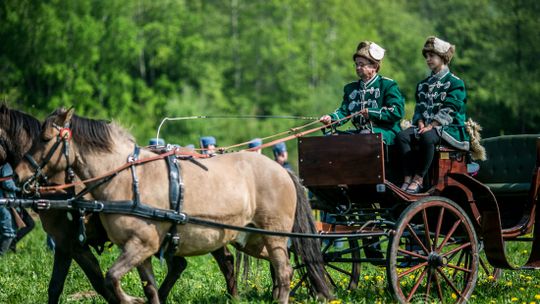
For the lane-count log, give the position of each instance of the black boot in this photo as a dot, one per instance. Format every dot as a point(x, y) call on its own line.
point(4, 244)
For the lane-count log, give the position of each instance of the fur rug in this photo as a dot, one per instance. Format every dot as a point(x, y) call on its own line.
point(478, 152)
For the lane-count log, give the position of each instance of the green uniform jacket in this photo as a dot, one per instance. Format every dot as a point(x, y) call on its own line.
point(382, 98)
point(442, 97)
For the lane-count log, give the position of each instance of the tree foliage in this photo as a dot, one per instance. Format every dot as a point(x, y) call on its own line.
point(139, 61)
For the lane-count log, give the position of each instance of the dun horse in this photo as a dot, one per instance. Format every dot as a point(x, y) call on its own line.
point(241, 189)
point(17, 132)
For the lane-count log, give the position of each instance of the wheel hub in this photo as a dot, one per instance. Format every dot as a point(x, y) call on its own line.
point(437, 260)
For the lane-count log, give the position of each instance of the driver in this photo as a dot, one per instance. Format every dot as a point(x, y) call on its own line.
point(376, 98)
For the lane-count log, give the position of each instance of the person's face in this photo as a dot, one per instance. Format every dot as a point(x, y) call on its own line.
point(281, 158)
point(365, 69)
point(434, 61)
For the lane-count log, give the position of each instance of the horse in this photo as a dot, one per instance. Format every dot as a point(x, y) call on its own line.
point(18, 131)
point(240, 189)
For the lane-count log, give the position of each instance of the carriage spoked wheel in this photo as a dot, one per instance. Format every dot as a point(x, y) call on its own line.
point(433, 253)
point(341, 262)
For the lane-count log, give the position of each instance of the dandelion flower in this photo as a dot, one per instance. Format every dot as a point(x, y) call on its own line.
point(335, 302)
point(514, 299)
point(491, 278)
point(454, 296)
point(537, 297)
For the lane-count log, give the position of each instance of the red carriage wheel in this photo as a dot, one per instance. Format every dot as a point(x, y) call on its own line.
point(433, 253)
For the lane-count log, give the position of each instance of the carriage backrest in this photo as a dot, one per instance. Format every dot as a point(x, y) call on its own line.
point(356, 159)
point(510, 162)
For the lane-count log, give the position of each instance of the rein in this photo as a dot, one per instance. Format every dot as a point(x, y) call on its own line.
point(117, 170)
point(144, 211)
point(112, 173)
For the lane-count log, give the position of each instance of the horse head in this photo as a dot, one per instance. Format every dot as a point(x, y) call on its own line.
point(63, 139)
point(49, 153)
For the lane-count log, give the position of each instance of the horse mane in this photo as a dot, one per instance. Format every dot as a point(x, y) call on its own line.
point(95, 134)
point(18, 128)
point(15, 122)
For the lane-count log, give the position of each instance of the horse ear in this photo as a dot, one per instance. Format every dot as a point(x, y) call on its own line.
point(69, 114)
point(64, 116)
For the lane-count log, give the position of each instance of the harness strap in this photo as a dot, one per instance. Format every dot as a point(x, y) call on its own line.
point(176, 197)
point(132, 160)
point(178, 218)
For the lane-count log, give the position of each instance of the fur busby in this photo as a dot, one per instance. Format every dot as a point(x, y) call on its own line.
point(440, 47)
point(478, 152)
point(369, 50)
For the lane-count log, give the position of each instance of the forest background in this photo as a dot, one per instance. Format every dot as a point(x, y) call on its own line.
point(137, 62)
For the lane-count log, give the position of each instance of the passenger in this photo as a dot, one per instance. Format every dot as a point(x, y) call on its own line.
point(439, 115)
point(281, 156)
point(377, 98)
point(256, 142)
point(156, 142)
point(208, 144)
point(8, 226)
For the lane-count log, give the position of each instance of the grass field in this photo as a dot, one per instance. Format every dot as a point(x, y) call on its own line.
point(25, 275)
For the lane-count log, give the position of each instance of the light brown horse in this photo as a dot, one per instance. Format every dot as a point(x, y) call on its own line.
point(241, 189)
point(18, 131)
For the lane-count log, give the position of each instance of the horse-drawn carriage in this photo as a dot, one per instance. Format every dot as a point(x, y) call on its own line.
point(430, 243)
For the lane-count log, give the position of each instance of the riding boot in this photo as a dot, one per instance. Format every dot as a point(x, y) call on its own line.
point(4, 244)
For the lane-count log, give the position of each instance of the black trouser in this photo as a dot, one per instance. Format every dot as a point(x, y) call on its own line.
point(417, 163)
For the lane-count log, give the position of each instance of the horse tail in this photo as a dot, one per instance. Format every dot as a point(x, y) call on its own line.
point(309, 249)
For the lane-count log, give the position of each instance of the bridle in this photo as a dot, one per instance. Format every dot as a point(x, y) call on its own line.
point(62, 139)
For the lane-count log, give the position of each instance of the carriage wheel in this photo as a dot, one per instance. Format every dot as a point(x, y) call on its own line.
point(342, 268)
point(433, 254)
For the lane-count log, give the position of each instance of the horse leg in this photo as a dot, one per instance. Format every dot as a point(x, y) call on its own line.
point(279, 258)
point(90, 265)
point(175, 266)
point(61, 264)
point(133, 254)
point(148, 280)
point(225, 260)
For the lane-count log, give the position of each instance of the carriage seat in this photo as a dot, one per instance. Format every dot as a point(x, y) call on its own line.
point(510, 163)
point(472, 167)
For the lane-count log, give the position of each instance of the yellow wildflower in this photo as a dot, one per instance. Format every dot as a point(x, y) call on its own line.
point(509, 283)
point(537, 297)
point(491, 278)
point(454, 296)
point(521, 289)
point(514, 299)
point(335, 302)
point(366, 277)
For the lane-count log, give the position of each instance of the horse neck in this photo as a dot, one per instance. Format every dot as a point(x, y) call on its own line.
point(93, 163)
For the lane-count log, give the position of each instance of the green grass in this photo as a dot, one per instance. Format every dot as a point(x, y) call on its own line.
point(25, 276)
